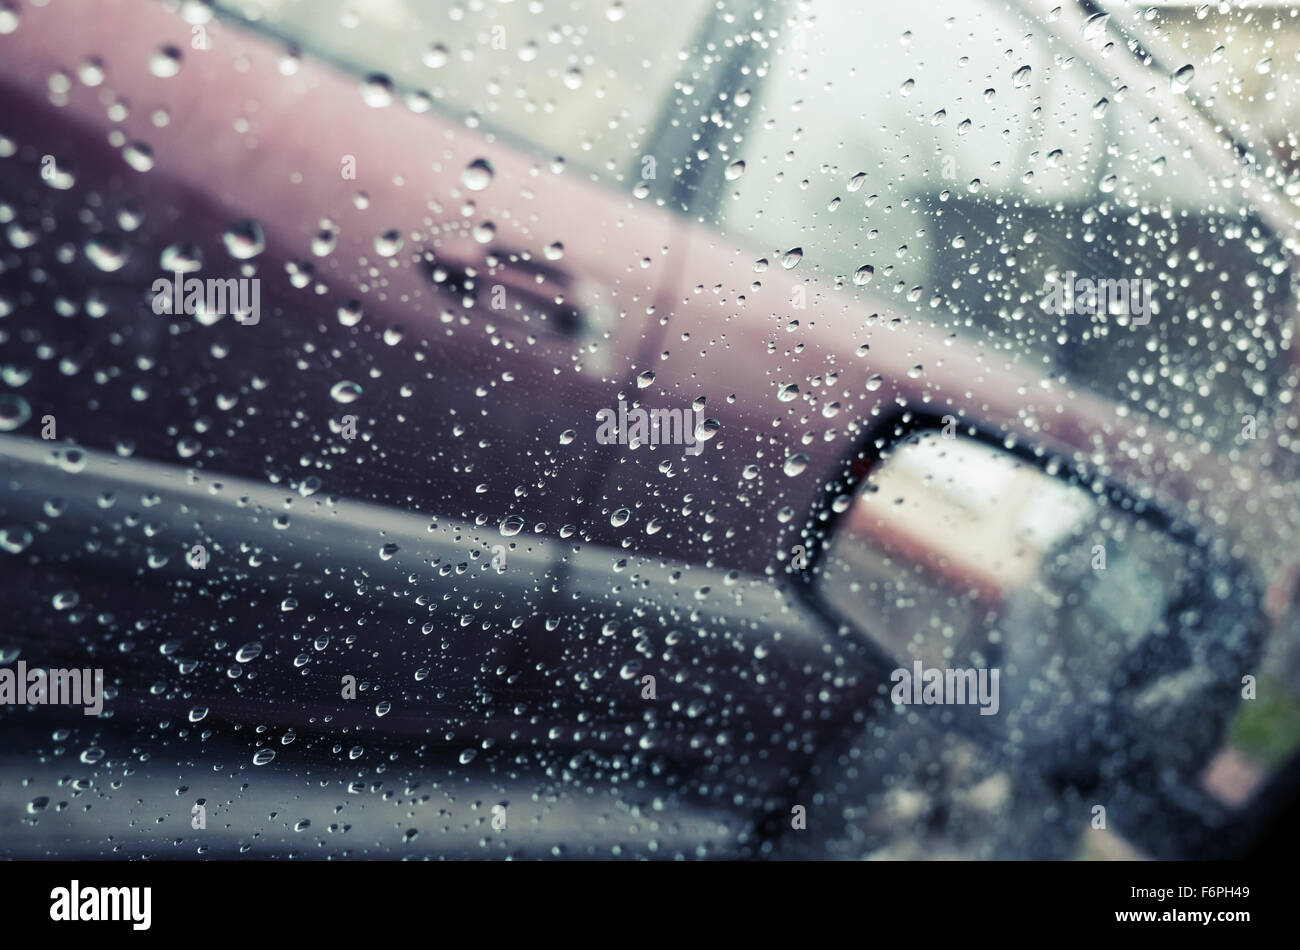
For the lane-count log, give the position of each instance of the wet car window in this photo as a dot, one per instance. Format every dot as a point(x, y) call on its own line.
point(978, 161)
point(575, 80)
point(614, 430)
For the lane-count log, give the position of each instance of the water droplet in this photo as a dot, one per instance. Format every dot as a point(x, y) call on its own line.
point(735, 170)
point(19, 236)
point(244, 240)
point(1180, 80)
point(388, 243)
point(350, 313)
point(65, 600)
point(14, 539)
point(60, 176)
point(792, 258)
point(345, 392)
point(707, 429)
point(263, 756)
point(289, 61)
point(14, 411)
point(165, 62)
point(377, 91)
point(863, 275)
point(249, 652)
point(72, 460)
point(477, 174)
point(435, 57)
point(324, 242)
point(130, 217)
point(106, 252)
point(185, 258)
point(1095, 25)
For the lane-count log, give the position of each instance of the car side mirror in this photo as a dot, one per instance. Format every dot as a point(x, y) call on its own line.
point(1106, 621)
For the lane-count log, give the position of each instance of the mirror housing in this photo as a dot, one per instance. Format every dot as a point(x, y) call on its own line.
point(1118, 634)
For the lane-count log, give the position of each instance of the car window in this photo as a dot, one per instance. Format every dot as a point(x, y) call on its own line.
point(559, 428)
point(972, 162)
point(1236, 62)
point(575, 79)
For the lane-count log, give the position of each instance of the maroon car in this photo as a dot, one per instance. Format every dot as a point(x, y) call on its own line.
point(426, 410)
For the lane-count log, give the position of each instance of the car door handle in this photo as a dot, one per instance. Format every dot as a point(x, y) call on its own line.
point(514, 283)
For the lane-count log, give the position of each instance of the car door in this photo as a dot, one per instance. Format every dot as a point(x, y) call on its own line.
point(378, 235)
point(360, 490)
